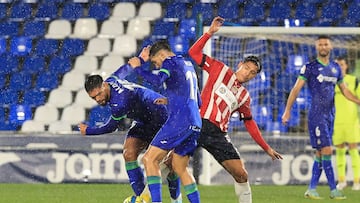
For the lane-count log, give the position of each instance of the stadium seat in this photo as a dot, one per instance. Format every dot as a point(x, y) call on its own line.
point(20, 46)
point(150, 11)
point(8, 64)
point(32, 126)
point(162, 30)
point(3, 116)
point(46, 47)
point(20, 81)
point(3, 11)
point(179, 45)
point(110, 64)
point(9, 28)
point(72, 11)
point(85, 64)
point(3, 45)
point(19, 113)
point(123, 11)
point(254, 12)
point(8, 97)
point(99, 115)
point(229, 10)
point(34, 98)
point(59, 65)
point(203, 10)
point(47, 11)
point(73, 114)
point(107, 29)
point(2, 81)
point(20, 12)
point(82, 99)
point(139, 28)
point(124, 45)
point(59, 98)
point(99, 11)
point(98, 47)
point(187, 28)
point(333, 11)
point(59, 29)
point(46, 114)
point(295, 62)
point(72, 47)
point(280, 11)
point(305, 12)
point(59, 127)
point(46, 81)
point(34, 29)
point(175, 12)
point(353, 14)
point(68, 83)
point(85, 28)
point(261, 114)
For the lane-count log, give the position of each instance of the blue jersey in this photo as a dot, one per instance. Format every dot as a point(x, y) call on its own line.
point(321, 80)
point(129, 100)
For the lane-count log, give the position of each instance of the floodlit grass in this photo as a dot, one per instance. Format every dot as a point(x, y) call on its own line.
point(108, 193)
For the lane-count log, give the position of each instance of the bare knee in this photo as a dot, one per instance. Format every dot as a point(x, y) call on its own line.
point(241, 176)
point(130, 155)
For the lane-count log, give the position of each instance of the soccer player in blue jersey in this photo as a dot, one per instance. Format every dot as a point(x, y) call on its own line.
point(321, 76)
point(181, 131)
point(129, 100)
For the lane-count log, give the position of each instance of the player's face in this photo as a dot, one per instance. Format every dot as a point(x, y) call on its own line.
point(156, 60)
point(343, 65)
point(246, 71)
point(323, 47)
point(99, 95)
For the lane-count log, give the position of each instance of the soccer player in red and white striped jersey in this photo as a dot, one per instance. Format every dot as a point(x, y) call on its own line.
point(222, 95)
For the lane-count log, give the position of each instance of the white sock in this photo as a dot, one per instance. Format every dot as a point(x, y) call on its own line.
point(243, 191)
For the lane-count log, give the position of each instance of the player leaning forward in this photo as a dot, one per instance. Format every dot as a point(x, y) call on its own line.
point(222, 95)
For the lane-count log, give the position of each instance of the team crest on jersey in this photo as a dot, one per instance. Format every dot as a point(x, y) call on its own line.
point(333, 70)
point(303, 69)
point(222, 90)
point(234, 90)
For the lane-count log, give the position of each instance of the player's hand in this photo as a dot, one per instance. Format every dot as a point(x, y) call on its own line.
point(160, 101)
point(134, 62)
point(145, 52)
point(274, 154)
point(285, 117)
point(82, 128)
point(215, 25)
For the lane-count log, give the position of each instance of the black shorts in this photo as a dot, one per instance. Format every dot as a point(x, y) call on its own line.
point(217, 143)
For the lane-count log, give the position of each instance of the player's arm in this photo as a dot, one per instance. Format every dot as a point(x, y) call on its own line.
point(128, 68)
point(150, 96)
point(347, 94)
point(110, 126)
point(300, 82)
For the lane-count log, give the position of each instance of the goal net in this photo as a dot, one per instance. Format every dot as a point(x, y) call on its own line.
point(283, 52)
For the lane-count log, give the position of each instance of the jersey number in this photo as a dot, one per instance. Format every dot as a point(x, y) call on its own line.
point(191, 77)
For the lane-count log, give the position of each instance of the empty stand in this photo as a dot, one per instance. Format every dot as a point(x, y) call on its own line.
point(98, 47)
point(111, 29)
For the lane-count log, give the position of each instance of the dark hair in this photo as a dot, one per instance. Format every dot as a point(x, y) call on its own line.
point(159, 45)
point(92, 82)
point(324, 37)
point(255, 60)
point(340, 58)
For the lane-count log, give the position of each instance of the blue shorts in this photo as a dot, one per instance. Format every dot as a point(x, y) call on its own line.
point(320, 131)
point(183, 140)
point(142, 131)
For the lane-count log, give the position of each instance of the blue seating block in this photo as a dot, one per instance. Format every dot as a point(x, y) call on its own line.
point(18, 114)
point(20, 81)
point(33, 98)
point(99, 11)
point(72, 47)
point(34, 29)
point(20, 46)
point(46, 47)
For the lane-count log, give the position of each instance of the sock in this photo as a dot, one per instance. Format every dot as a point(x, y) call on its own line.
point(174, 185)
point(341, 163)
point(316, 172)
point(329, 171)
point(154, 184)
point(192, 193)
point(136, 177)
point(355, 162)
point(243, 191)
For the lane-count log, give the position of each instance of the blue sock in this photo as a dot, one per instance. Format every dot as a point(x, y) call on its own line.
point(329, 171)
point(192, 193)
point(154, 184)
point(136, 177)
point(174, 185)
point(316, 173)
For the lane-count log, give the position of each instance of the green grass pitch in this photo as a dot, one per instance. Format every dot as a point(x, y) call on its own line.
point(108, 193)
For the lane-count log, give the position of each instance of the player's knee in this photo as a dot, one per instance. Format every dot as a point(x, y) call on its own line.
point(241, 176)
point(130, 155)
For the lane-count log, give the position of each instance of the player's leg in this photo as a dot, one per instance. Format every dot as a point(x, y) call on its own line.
point(355, 163)
point(340, 157)
point(172, 178)
point(151, 159)
point(132, 148)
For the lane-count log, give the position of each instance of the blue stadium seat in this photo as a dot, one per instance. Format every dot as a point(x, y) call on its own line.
point(20, 81)
point(20, 12)
point(47, 11)
point(3, 11)
point(34, 29)
point(179, 44)
point(8, 96)
point(187, 28)
point(205, 10)
point(99, 11)
point(254, 12)
point(46, 47)
point(230, 10)
point(333, 11)
point(3, 117)
point(20, 46)
point(162, 30)
point(280, 11)
point(33, 98)
point(18, 114)
point(261, 114)
point(353, 14)
point(33, 65)
point(175, 12)
point(8, 64)
point(59, 65)
point(306, 12)
point(295, 62)
point(3, 45)
point(9, 28)
point(99, 115)
point(72, 11)
point(2, 81)
point(46, 81)
point(72, 47)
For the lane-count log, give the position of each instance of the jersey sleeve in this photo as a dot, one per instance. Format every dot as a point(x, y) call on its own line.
point(123, 71)
point(245, 111)
point(304, 72)
point(110, 126)
point(155, 79)
point(150, 96)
